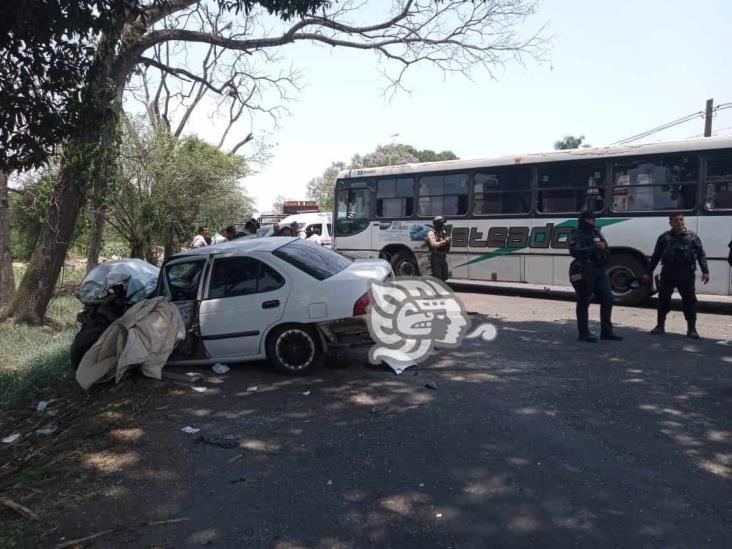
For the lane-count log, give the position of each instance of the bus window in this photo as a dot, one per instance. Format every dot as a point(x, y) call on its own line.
point(352, 211)
point(502, 191)
point(443, 195)
point(395, 197)
point(570, 187)
point(655, 183)
point(718, 181)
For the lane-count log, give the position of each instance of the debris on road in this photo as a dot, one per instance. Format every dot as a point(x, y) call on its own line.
point(79, 541)
point(236, 458)
point(726, 342)
point(22, 510)
point(226, 442)
point(219, 368)
point(252, 389)
point(11, 438)
point(329, 483)
point(168, 521)
point(306, 393)
point(41, 406)
point(431, 385)
point(190, 377)
point(439, 515)
point(47, 430)
point(199, 389)
point(190, 430)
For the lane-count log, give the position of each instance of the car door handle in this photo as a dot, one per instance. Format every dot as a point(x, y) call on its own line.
point(271, 304)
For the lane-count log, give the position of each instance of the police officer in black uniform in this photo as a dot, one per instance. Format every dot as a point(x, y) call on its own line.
point(438, 244)
point(588, 275)
point(678, 250)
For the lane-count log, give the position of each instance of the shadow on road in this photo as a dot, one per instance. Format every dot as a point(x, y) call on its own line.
point(531, 440)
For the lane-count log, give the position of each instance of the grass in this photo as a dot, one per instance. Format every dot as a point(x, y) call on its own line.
point(34, 360)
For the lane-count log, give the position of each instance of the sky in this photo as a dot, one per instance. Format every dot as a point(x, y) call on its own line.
point(614, 69)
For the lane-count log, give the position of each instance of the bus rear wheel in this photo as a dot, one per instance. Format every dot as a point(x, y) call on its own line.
point(622, 270)
point(404, 264)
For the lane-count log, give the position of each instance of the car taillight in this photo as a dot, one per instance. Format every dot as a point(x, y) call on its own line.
point(359, 308)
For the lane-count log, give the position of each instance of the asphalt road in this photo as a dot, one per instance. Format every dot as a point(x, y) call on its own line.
point(532, 440)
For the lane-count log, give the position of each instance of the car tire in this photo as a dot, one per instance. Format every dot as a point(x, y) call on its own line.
point(404, 264)
point(295, 349)
point(83, 341)
point(620, 269)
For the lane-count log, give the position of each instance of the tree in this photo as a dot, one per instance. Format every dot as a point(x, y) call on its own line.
point(165, 186)
point(321, 188)
point(570, 142)
point(454, 36)
point(278, 203)
point(7, 278)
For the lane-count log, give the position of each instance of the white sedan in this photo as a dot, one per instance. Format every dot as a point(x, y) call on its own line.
point(283, 299)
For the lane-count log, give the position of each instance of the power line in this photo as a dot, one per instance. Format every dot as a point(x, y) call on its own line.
point(673, 123)
point(662, 127)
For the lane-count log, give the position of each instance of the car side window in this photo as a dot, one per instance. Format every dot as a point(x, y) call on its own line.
point(183, 280)
point(235, 276)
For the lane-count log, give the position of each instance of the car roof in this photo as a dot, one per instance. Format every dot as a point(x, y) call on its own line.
point(243, 246)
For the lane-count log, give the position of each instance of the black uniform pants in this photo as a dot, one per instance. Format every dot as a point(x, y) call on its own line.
point(438, 265)
point(684, 281)
point(595, 281)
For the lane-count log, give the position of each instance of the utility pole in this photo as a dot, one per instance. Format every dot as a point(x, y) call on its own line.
point(708, 118)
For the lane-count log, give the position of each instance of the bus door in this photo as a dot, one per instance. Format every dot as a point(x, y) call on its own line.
point(352, 232)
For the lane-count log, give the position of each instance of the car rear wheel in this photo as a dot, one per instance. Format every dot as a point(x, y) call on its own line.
point(294, 350)
point(622, 270)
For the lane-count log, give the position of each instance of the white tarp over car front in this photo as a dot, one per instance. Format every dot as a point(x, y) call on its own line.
point(145, 335)
point(139, 276)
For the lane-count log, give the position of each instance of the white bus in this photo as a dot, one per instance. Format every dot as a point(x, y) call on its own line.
point(510, 216)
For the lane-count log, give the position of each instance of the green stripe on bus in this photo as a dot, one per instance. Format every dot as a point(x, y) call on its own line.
point(506, 250)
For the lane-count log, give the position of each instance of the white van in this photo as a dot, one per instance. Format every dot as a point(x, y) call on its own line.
point(320, 222)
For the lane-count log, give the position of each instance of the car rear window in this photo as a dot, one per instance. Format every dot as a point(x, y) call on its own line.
point(317, 261)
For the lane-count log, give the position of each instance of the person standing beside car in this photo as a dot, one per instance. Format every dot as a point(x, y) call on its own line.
point(678, 250)
point(588, 275)
point(200, 239)
point(220, 237)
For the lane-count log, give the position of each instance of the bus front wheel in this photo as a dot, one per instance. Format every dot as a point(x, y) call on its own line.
point(623, 270)
point(404, 264)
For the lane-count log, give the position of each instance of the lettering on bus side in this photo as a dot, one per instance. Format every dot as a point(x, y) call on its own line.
point(510, 237)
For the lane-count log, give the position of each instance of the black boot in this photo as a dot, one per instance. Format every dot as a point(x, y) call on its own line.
point(589, 338)
point(691, 331)
point(660, 328)
point(612, 336)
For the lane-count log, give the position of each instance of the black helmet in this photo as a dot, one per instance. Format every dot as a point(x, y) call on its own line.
point(438, 220)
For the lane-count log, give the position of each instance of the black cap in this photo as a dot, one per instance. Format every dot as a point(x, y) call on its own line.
point(587, 214)
point(438, 219)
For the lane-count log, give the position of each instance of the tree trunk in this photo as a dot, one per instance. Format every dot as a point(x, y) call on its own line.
point(79, 160)
point(150, 255)
point(137, 249)
point(7, 278)
point(97, 233)
point(31, 300)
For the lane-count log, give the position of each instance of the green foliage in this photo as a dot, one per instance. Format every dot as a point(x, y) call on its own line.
point(165, 187)
point(27, 212)
point(570, 142)
point(321, 188)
